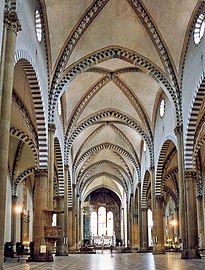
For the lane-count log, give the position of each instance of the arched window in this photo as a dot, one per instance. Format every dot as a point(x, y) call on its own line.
point(102, 221)
point(59, 108)
point(110, 223)
point(38, 25)
point(162, 108)
point(94, 224)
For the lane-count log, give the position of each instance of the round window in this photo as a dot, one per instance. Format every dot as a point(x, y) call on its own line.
point(199, 29)
point(38, 25)
point(162, 108)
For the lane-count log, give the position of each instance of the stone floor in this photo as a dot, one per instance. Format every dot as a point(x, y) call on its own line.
point(104, 261)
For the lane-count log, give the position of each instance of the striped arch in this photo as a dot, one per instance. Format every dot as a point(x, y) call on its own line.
point(144, 189)
point(199, 143)
point(21, 135)
point(171, 193)
point(161, 159)
point(116, 167)
point(59, 161)
point(106, 54)
point(192, 120)
point(22, 176)
point(89, 180)
point(95, 118)
point(172, 174)
point(24, 59)
point(103, 146)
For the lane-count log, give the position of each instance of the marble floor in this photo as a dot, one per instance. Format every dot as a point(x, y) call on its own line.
point(104, 261)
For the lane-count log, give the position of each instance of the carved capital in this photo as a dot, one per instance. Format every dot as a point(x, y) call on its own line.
point(74, 186)
point(51, 127)
point(151, 168)
point(66, 167)
point(41, 173)
point(159, 198)
point(190, 175)
point(11, 21)
point(178, 130)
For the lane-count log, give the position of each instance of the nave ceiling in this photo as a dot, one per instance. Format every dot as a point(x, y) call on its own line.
point(121, 54)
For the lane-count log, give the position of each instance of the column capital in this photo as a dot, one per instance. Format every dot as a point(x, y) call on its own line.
point(178, 130)
point(41, 172)
point(51, 127)
point(11, 21)
point(159, 198)
point(190, 175)
point(14, 197)
point(66, 167)
point(74, 185)
point(151, 168)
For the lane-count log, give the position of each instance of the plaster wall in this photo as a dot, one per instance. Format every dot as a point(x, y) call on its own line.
point(164, 128)
point(193, 71)
point(27, 40)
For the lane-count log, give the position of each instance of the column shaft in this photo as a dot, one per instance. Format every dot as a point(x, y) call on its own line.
point(60, 222)
point(192, 247)
point(12, 26)
point(70, 230)
point(182, 193)
point(158, 227)
point(41, 218)
point(51, 131)
point(66, 170)
point(144, 233)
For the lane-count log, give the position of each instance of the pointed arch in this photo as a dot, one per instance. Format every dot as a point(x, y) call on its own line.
point(25, 60)
point(144, 189)
point(109, 175)
point(21, 135)
point(192, 121)
point(110, 146)
point(159, 171)
point(59, 161)
point(109, 53)
point(22, 176)
point(101, 115)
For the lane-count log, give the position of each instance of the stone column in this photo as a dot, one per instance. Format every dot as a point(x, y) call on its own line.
point(182, 194)
point(51, 132)
point(192, 251)
point(42, 218)
point(123, 224)
point(131, 218)
point(13, 218)
point(158, 226)
point(11, 26)
point(128, 223)
point(66, 172)
point(74, 218)
point(70, 228)
point(80, 222)
point(77, 221)
point(144, 234)
point(60, 222)
point(139, 216)
point(200, 217)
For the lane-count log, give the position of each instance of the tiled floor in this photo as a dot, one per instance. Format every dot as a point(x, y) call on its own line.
point(104, 261)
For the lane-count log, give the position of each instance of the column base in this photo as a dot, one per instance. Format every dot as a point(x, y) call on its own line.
point(41, 258)
point(158, 250)
point(190, 254)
